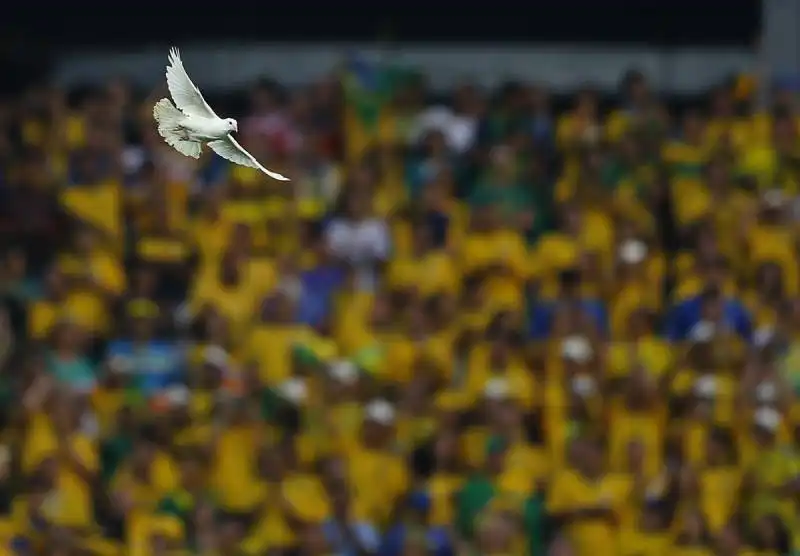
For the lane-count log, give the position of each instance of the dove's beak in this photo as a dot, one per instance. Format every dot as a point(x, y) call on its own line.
point(236, 127)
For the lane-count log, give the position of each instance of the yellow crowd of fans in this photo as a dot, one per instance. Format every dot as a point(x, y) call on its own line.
point(623, 381)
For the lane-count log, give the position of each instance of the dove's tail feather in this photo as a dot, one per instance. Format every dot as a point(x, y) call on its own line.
point(169, 121)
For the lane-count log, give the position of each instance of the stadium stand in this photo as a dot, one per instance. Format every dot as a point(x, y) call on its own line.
point(481, 327)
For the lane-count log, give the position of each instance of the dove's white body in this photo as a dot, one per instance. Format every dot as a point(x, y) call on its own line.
point(204, 130)
point(190, 122)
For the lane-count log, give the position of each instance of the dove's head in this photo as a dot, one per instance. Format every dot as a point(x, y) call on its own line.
point(232, 124)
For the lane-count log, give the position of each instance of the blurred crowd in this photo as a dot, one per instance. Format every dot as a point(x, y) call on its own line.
point(472, 327)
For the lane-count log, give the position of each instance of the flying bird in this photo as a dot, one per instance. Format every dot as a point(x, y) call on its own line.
point(190, 122)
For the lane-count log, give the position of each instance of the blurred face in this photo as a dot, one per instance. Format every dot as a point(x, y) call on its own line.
point(692, 526)
point(715, 451)
point(722, 104)
point(143, 453)
point(717, 175)
point(693, 128)
point(639, 91)
point(142, 328)
point(636, 455)
point(586, 106)
point(85, 242)
point(446, 448)
point(358, 203)
point(229, 269)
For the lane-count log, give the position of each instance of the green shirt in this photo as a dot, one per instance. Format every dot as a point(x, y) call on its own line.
point(534, 520)
point(112, 453)
point(471, 500)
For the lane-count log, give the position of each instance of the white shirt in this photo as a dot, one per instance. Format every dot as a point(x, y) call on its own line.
point(361, 243)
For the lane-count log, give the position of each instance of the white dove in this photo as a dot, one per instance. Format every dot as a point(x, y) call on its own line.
point(193, 122)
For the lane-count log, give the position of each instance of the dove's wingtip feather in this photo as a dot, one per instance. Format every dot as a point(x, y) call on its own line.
point(277, 176)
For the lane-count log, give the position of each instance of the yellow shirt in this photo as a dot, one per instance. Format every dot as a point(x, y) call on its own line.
point(645, 427)
point(522, 385)
point(569, 492)
point(654, 354)
point(430, 274)
point(83, 304)
point(635, 542)
point(719, 490)
point(70, 504)
point(42, 316)
point(307, 498)
point(233, 474)
point(100, 205)
point(369, 468)
point(505, 248)
point(163, 249)
point(441, 488)
point(772, 469)
point(680, 550)
point(211, 239)
point(237, 303)
point(776, 245)
point(271, 346)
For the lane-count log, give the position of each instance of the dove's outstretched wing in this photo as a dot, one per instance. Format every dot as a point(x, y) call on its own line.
point(184, 93)
point(230, 149)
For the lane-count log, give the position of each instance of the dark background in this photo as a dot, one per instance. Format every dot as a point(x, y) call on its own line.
point(662, 22)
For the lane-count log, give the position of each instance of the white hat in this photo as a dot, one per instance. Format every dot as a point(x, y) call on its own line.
point(216, 356)
point(119, 364)
point(380, 411)
point(293, 390)
point(766, 392)
point(584, 385)
point(702, 332)
point(343, 371)
point(290, 287)
point(177, 395)
point(632, 251)
point(767, 418)
point(576, 348)
point(774, 198)
point(497, 389)
point(705, 387)
point(763, 336)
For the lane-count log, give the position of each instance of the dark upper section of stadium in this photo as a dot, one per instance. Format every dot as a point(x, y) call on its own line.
point(675, 22)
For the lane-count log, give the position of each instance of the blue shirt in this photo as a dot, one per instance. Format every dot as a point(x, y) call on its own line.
point(319, 288)
point(154, 365)
point(541, 318)
point(683, 316)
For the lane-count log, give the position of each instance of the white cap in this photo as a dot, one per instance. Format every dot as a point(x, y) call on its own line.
point(343, 371)
point(576, 348)
point(216, 356)
point(291, 287)
point(774, 198)
point(632, 251)
point(177, 395)
point(497, 389)
point(767, 418)
point(702, 332)
point(293, 390)
point(763, 336)
point(380, 411)
point(120, 365)
point(705, 387)
point(766, 392)
point(584, 385)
